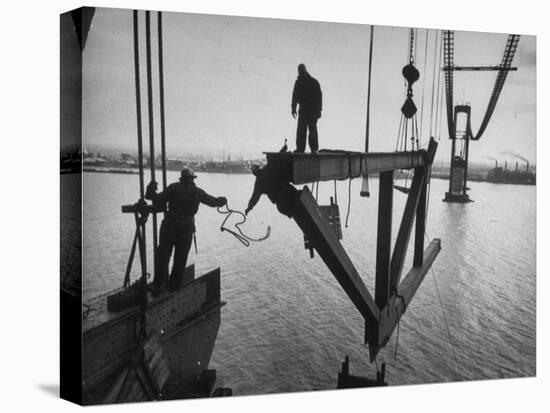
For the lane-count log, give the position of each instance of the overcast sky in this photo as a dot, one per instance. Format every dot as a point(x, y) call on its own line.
point(228, 85)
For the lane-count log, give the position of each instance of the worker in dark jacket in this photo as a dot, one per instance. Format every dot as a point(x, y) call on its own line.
point(307, 94)
point(280, 192)
point(178, 226)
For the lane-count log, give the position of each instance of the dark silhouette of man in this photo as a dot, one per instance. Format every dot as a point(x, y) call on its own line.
point(280, 192)
point(307, 94)
point(178, 226)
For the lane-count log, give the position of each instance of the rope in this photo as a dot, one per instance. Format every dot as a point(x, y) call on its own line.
point(446, 325)
point(424, 83)
point(398, 325)
point(349, 202)
point(396, 340)
point(437, 104)
point(239, 234)
point(449, 337)
point(317, 191)
point(433, 84)
point(349, 189)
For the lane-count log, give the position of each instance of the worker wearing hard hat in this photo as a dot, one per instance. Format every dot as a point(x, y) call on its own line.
point(178, 226)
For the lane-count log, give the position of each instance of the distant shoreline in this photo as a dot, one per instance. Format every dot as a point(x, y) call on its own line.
point(475, 178)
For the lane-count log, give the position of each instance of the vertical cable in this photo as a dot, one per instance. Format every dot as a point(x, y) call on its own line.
point(161, 93)
point(424, 83)
point(151, 122)
point(365, 184)
point(368, 90)
point(138, 104)
point(140, 223)
point(433, 84)
point(437, 67)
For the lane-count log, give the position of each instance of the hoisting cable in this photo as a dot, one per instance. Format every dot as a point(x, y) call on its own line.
point(151, 119)
point(438, 99)
point(398, 325)
point(365, 183)
point(138, 104)
point(140, 223)
point(238, 233)
point(433, 85)
point(161, 97)
point(446, 325)
point(424, 83)
point(449, 337)
point(349, 189)
point(317, 192)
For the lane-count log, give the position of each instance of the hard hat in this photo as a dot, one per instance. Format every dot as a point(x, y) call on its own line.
point(187, 174)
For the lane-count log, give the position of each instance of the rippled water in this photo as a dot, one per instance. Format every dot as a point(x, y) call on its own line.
point(288, 324)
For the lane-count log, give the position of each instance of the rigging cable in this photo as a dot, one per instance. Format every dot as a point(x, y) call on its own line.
point(239, 234)
point(433, 84)
point(449, 337)
point(349, 201)
point(142, 245)
point(161, 98)
point(424, 83)
point(437, 104)
point(446, 324)
point(151, 121)
point(442, 98)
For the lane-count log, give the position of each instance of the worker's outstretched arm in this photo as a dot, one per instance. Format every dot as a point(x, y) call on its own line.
point(254, 198)
point(212, 201)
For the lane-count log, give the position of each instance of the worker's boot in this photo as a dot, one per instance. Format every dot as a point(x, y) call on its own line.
point(159, 287)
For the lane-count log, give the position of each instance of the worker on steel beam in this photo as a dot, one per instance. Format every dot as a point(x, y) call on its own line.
point(280, 192)
point(178, 226)
point(307, 93)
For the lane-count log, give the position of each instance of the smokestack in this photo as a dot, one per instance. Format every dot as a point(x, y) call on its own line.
point(496, 163)
point(505, 165)
point(516, 166)
point(527, 168)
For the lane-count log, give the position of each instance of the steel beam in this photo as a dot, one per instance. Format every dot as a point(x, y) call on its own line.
point(383, 246)
point(479, 68)
point(420, 227)
point(302, 168)
point(404, 234)
point(325, 242)
point(392, 313)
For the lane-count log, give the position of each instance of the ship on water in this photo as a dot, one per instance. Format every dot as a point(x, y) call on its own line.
point(500, 175)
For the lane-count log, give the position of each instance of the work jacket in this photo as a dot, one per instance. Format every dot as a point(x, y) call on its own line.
point(307, 93)
point(183, 199)
point(281, 193)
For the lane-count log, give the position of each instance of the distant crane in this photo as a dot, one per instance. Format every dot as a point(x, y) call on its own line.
point(459, 155)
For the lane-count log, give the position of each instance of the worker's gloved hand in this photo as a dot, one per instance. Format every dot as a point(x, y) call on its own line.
point(223, 200)
point(151, 190)
point(246, 211)
point(294, 113)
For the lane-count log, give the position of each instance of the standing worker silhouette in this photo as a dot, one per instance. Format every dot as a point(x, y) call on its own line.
point(307, 93)
point(178, 226)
